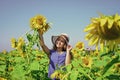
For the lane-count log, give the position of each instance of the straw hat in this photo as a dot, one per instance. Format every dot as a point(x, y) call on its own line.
point(63, 35)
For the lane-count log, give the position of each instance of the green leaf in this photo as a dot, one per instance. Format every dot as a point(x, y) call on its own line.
point(69, 67)
point(113, 61)
point(113, 77)
point(34, 65)
point(29, 37)
point(74, 75)
point(18, 73)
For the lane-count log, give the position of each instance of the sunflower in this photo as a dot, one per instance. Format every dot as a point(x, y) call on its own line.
point(4, 51)
point(20, 43)
point(80, 45)
point(57, 75)
point(39, 22)
point(87, 61)
point(104, 31)
point(75, 53)
point(13, 42)
point(2, 78)
point(78, 49)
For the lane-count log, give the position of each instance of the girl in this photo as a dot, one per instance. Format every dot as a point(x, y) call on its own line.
point(60, 54)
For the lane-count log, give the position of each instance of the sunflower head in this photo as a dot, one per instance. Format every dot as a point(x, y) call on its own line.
point(87, 61)
point(39, 22)
point(80, 45)
point(104, 31)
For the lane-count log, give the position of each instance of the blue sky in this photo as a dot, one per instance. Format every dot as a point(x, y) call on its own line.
point(66, 16)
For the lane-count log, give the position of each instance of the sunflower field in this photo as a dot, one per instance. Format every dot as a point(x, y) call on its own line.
point(28, 62)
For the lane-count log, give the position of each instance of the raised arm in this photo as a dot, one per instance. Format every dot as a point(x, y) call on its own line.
point(42, 44)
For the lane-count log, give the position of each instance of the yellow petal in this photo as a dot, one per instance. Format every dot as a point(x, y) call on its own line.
point(110, 23)
point(117, 17)
point(89, 27)
point(93, 40)
point(95, 20)
point(119, 25)
point(103, 22)
point(102, 45)
point(88, 36)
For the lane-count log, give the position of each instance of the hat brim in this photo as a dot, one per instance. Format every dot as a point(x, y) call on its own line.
point(54, 38)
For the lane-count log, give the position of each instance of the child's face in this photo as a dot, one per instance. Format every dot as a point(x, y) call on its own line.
point(60, 42)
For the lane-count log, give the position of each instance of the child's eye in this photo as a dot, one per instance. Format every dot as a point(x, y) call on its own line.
point(62, 41)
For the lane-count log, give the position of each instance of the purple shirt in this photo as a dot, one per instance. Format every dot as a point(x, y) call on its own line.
point(56, 61)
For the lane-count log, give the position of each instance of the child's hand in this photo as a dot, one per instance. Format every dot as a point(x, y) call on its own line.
point(69, 47)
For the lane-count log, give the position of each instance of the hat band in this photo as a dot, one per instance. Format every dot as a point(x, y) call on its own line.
point(65, 38)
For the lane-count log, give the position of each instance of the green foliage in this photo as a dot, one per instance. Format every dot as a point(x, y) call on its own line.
point(17, 68)
point(13, 66)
